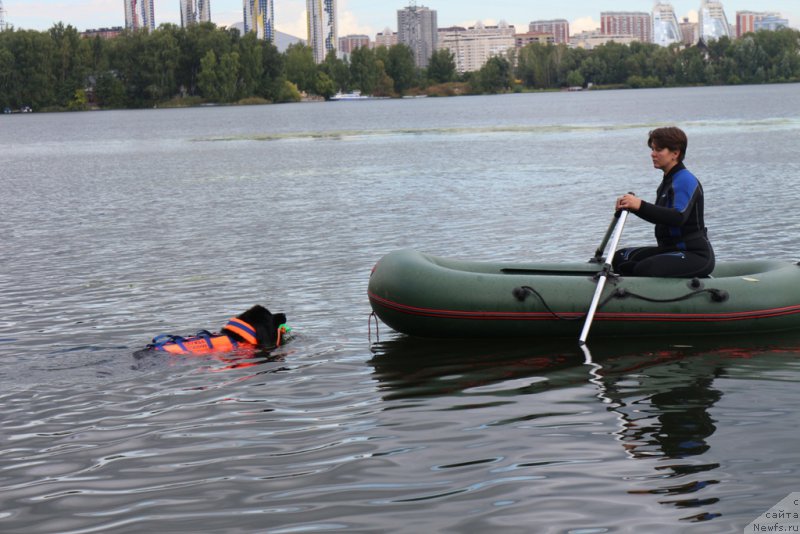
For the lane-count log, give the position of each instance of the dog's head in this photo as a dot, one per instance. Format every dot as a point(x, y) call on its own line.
point(263, 322)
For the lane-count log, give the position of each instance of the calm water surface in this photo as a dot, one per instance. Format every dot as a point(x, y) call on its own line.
point(117, 226)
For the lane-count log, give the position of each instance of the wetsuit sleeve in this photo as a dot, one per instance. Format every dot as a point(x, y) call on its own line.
point(686, 189)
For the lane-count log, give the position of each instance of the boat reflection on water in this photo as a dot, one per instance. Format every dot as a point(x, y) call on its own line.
point(660, 394)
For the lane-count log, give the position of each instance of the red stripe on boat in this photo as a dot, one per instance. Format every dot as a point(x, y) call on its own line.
point(602, 316)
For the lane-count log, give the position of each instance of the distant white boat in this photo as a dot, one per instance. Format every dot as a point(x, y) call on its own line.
point(354, 95)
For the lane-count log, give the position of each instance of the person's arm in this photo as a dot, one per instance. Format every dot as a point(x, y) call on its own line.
point(686, 189)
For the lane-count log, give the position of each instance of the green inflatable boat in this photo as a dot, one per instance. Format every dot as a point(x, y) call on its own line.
point(423, 295)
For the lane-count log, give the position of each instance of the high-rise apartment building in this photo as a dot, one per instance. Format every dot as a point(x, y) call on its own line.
point(259, 17)
point(386, 38)
point(590, 40)
point(139, 14)
point(521, 40)
point(322, 27)
point(751, 21)
point(203, 10)
point(689, 32)
point(559, 28)
point(711, 21)
point(2, 17)
point(348, 43)
point(193, 11)
point(102, 33)
point(417, 28)
point(772, 23)
point(634, 24)
point(472, 47)
point(666, 29)
point(187, 13)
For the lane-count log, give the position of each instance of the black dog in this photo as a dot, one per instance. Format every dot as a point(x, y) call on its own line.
point(256, 328)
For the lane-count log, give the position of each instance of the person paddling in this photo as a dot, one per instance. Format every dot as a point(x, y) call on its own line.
point(683, 249)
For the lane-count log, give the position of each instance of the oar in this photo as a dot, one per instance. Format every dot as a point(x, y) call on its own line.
point(598, 254)
point(601, 282)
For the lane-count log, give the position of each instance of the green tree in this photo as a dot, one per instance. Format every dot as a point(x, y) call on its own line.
point(217, 80)
point(79, 102)
point(127, 60)
point(535, 66)
point(109, 91)
point(251, 65)
point(364, 70)
point(194, 43)
point(690, 66)
point(337, 70)
point(301, 68)
point(638, 61)
point(575, 79)
point(594, 69)
point(613, 56)
point(160, 62)
point(641, 82)
point(6, 76)
point(495, 76)
point(71, 60)
point(207, 78)
point(663, 63)
point(228, 76)
point(385, 84)
point(33, 81)
point(288, 92)
point(401, 68)
point(442, 66)
point(273, 76)
point(751, 60)
point(325, 86)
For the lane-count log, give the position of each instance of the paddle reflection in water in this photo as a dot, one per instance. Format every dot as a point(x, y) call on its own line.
point(663, 413)
point(660, 396)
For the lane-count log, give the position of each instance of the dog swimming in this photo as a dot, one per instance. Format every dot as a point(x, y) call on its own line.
point(255, 329)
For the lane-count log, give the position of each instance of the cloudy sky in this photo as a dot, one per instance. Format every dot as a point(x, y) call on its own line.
point(371, 16)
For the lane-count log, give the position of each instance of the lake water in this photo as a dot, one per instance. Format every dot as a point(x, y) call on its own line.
point(118, 226)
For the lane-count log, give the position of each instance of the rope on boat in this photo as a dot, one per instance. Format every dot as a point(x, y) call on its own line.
point(717, 295)
point(522, 292)
point(369, 328)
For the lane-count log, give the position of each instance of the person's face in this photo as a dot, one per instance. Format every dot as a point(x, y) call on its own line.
point(664, 158)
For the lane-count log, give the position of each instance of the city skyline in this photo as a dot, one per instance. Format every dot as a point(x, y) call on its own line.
point(365, 17)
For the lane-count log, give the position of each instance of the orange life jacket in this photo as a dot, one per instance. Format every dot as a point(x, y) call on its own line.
point(204, 342)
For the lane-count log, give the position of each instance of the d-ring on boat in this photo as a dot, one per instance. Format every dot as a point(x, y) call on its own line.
point(423, 295)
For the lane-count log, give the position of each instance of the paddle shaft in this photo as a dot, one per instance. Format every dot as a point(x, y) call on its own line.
point(598, 254)
point(601, 282)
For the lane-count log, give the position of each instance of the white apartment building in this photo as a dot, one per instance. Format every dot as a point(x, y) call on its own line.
point(472, 47)
point(712, 22)
point(592, 39)
point(386, 38)
point(666, 29)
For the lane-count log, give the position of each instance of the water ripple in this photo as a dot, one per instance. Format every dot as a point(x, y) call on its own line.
point(185, 217)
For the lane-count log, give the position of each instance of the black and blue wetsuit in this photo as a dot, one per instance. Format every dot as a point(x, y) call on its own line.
point(683, 247)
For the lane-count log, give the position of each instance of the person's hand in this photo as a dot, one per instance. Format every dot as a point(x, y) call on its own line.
point(629, 202)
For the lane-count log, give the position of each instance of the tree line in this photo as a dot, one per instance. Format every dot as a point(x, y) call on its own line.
point(59, 70)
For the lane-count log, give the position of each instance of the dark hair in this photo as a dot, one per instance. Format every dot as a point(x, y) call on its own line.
point(669, 137)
